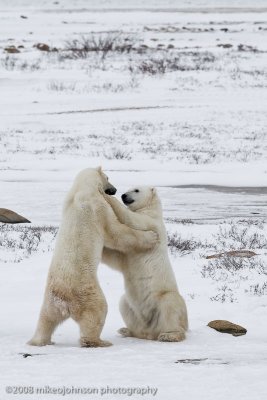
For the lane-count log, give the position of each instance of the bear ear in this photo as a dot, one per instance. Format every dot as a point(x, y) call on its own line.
point(99, 169)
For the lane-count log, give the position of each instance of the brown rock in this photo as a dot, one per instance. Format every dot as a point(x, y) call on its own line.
point(10, 217)
point(42, 46)
point(234, 253)
point(223, 326)
point(12, 49)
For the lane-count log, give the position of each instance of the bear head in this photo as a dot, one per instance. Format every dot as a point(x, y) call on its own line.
point(94, 179)
point(140, 197)
point(105, 184)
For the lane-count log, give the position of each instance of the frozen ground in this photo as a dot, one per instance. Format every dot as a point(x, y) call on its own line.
point(166, 93)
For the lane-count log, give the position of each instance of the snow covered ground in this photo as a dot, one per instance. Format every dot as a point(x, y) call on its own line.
point(166, 93)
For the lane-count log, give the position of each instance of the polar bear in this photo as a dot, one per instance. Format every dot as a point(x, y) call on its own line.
point(88, 225)
point(151, 307)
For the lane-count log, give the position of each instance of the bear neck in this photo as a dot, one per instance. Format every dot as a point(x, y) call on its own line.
point(153, 208)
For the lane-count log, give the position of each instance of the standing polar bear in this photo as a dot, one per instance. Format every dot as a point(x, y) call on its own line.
point(88, 225)
point(151, 307)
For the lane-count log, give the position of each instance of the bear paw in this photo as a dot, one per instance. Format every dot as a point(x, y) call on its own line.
point(40, 342)
point(85, 342)
point(125, 332)
point(150, 239)
point(175, 336)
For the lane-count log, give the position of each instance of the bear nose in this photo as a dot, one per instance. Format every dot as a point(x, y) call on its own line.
point(123, 197)
point(111, 191)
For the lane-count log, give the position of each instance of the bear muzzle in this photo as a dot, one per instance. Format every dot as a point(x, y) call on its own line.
point(126, 200)
point(111, 190)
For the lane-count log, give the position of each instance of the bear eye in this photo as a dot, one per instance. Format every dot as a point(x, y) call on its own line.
point(136, 191)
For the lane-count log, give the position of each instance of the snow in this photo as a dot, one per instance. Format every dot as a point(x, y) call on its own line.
point(235, 367)
point(197, 133)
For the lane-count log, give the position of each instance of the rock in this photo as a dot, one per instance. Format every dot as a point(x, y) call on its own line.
point(12, 49)
point(234, 253)
point(195, 361)
point(225, 45)
point(223, 326)
point(10, 217)
point(25, 355)
point(244, 47)
point(42, 46)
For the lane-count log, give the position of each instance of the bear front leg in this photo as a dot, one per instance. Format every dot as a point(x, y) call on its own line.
point(124, 239)
point(119, 209)
point(134, 324)
point(128, 217)
point(173, 322)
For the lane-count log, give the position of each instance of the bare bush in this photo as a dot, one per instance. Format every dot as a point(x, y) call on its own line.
point(117, 154)
point(182, 221)
point(221, 268)
point(190, 61)
point(184, 246)
point(238, 237)
point(259, 223)
point(116, 87)
point(153, 66)
point(258, 290)
point(100, 44)
point(225, 294)
point(235, 273)
point(20, 241)
point(60, 86)
point(191, 143)
point(12, 63)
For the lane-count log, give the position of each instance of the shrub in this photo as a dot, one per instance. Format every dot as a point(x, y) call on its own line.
point(103, 44)
point(184, 246)
point(20, 242)
point(118, 154)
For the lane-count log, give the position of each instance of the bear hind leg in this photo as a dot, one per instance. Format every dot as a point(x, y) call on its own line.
point(90, 330)
point(50, 318)
point(91, 321)
point(42, 336)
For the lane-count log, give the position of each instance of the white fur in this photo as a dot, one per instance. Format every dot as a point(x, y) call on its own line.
point(72, 290)
point(152, 307)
